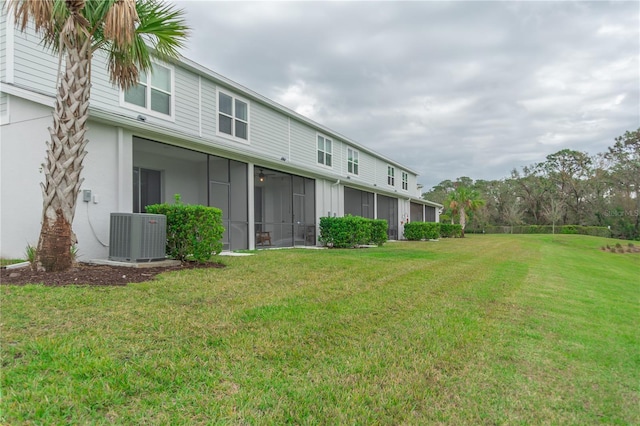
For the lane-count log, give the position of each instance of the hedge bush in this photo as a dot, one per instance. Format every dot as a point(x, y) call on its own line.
point(352, 231)
point(448, 230)
point(416, 231)
point(193, 231)
point(378, 231)
point(596, 231)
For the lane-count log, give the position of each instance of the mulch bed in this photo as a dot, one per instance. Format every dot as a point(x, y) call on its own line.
point(93, 275)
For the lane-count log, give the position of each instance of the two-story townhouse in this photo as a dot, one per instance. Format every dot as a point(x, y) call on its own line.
point(187, 130)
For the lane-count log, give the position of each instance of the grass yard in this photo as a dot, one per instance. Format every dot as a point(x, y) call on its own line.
point(500, 329)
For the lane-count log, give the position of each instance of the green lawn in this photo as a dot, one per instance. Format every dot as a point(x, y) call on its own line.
point(501, 329)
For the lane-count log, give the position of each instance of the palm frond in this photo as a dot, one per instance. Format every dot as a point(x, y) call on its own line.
point(162, 26)
point(122, 71)
point(120, 22)
point(41, 12)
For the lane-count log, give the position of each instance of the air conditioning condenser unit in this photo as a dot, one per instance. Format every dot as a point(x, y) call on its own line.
point(137, 237)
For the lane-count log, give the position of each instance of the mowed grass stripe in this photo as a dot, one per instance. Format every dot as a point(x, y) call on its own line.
point(489, 329)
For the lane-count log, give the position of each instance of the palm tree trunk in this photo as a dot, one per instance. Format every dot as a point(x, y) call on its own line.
point(463, 220)
point(65, 154)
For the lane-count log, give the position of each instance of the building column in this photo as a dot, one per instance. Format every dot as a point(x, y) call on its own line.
point(251, 206)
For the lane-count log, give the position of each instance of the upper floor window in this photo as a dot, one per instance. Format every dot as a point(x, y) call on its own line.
point(391, 179)
point(154, 91)
point(405, 181)
point(233, 116)
point(352, 161)
point(324, 150)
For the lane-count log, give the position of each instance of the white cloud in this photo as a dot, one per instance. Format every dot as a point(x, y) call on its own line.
point(299, 99)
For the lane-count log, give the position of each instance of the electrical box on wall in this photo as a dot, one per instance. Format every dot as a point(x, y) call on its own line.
point(86, 195)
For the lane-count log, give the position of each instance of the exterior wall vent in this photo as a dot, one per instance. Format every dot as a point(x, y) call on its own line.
point(137, 237)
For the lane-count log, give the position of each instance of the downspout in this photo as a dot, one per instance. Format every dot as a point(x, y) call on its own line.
point(331, 205)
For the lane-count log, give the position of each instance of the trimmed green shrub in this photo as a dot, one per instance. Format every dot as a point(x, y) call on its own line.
point(416, 231)
point(412, 231)
point(193, 231)
point(448, 230)
point(351, 231)
point(569, 229)
point(378, 231)
point(596, 231)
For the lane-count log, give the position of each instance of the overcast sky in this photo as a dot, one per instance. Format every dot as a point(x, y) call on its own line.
point(448, 88)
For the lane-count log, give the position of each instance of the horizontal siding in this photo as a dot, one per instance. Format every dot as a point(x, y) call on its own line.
point(381, 175)
point(186, 101)
point(303, 144)
point(339, 160)
point(34, 67)
point(4, 104)
point(3, 41)
point(209, 106)
point(269, 131)
point(366, 167)
point(103, 94)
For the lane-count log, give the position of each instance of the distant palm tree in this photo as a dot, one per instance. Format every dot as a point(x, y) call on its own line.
point(463, 200)
point(75, 29)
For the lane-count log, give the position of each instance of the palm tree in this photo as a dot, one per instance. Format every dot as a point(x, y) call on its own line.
point(128, 31)
point(462, 200)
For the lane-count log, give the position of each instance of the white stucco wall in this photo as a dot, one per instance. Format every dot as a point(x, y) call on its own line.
point(107, 173)
point(101, 176)
point(22, 151)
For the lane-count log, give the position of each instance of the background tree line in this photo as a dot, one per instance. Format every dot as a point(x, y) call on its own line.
point(568, 188)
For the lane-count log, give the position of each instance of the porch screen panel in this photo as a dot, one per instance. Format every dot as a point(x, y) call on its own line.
point(228, 192)
point(218, 169)
point(304, 211)
point(284, 209)
point(416, 213)
point(388, 209)
point(430, 214)
point(239, 206)
point(310, 211)
point(358, 203)
point(147, 188)
point(219, 197)
point(276, 209)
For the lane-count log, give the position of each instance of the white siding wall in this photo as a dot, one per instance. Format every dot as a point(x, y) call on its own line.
point(329, 199)
point(3, 41)
point(303, 144)
point(269, 131)
point(186, 102)
point(368, 169)
point(103, 93)
point(34, 67)
point(4, 108)
point(339, 160)
point(209, 108)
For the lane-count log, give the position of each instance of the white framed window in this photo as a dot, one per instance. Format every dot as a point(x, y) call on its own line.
point(153, 94)
point(405, 181)
point(325, 149)
point(391, 176)
point(353, 161)
point(233, 116)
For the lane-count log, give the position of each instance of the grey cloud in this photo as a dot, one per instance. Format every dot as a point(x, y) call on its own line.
point(449, 88)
